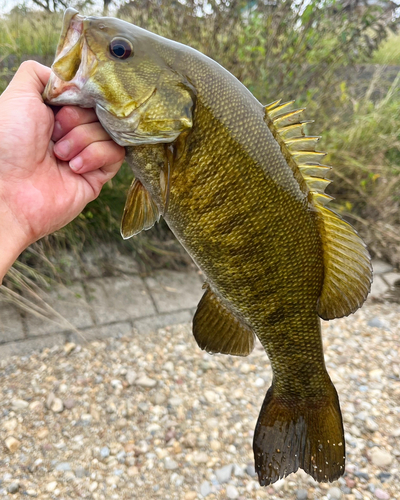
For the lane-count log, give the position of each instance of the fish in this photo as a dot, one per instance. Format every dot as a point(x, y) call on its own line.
point(242, 187)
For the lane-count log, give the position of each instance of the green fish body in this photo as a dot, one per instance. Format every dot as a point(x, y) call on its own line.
point(241, 187)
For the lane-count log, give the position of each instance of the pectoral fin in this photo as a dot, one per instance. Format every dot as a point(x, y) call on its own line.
point(140, 211)
point(216, 329)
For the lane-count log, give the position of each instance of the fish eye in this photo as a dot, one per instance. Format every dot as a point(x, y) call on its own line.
point(121, 48)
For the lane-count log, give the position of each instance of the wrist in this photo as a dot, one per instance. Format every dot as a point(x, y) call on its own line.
point(13, 241)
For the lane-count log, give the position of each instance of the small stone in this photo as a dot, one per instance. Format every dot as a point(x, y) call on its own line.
point(132, 471)
point(50, 399)
point(380, 458)
point(170, 464)
point(69, 403)
point(131, 376)
point(350, 483)
point(19, 404)
point(395, 432)
point(371, 425)
point(231, 491)
point(245, 368)
point(378, 323)
point(259, 382)
point(381, 267)
point(10, 425)
point(12, 444)
point(36, 406)
point(301, 494)
point(175, 401)
point(31, 492)
point(80, 472)
point(159, 398)
point(224, 474)
point(93, 486)
point(362, 475)
point(376, 374)
point(69, 347)
point(63, 467)
point(190, 495)
point(205, 488)
point(238, 471)
point(42, 433)
point(251, 471)
point(215, 445)
point(145, 381)
point(334, 493)
point(57, 405)
point(210, 396)
point(50, 487)
point(105, 452)
point(13, 488)
point(200, 457)
point(382, 494)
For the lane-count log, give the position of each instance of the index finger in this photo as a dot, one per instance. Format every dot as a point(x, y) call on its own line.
point(30, 77)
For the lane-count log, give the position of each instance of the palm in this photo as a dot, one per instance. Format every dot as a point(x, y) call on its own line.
point(41, 192)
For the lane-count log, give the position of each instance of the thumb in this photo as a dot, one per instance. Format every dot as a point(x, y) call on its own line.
point(31, 78)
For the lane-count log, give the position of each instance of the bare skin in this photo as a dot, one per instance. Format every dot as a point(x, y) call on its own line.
point(51, 165)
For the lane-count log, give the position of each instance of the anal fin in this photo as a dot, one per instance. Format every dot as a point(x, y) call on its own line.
point(140, 211)
point(217, 330)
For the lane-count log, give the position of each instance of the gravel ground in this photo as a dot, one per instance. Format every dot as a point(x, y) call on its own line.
point(155, 417)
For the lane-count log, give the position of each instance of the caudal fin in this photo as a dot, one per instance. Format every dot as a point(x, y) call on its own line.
point(292, 434)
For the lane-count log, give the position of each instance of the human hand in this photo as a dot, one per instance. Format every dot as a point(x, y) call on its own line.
point(50, 166)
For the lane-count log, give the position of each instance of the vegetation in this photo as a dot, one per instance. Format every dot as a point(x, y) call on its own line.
point(291, 50)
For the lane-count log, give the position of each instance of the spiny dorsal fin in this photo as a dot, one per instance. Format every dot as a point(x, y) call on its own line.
point(216, 329)
point(140, 211)
point(347, 264)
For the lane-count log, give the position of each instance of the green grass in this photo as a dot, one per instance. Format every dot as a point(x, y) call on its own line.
point(389, 52)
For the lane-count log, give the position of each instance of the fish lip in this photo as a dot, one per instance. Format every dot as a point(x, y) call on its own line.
point(59, 90)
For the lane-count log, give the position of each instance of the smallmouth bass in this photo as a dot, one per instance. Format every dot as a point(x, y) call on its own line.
point(242, 188)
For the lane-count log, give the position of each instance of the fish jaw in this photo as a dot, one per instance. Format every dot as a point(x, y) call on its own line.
point(73, 66)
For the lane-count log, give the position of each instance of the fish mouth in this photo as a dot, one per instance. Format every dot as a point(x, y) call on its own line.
point(73, 65)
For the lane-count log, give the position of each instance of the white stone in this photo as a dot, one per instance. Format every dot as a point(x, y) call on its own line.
point(51, 486)
point(380, 458)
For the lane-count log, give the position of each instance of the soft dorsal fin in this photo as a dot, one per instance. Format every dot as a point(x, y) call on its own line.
point(217, 330)
point(140, 211)
point(347, 264)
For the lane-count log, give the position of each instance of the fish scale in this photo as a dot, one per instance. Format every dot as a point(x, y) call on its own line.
point(242, 188)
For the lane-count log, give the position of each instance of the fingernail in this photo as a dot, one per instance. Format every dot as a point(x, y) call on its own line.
point(76, 164)
point(57, 131)
point(62, 149)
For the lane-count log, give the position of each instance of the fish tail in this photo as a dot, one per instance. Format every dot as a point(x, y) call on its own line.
point(293, 433)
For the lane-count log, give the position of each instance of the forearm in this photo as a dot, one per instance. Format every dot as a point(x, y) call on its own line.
point(12, 243)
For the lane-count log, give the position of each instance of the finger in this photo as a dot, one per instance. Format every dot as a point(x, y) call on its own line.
point(70, 117)
point(99, 155)
point(78, 139)
point(31, 77)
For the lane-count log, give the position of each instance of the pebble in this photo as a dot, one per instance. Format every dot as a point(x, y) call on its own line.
point(50, 487)
point(334, 493)
point(63, 467)
point(205, 488)
point(69, 403)
point(12, 444)
point(31, 492)
point(159, 398)
point(190, 495)
point(381, 494)
point(145, 381)
point(131, 376)
point(371, 425)
point(377, 323)
point(250, 469)
point(57, 405)
point(224, 474)
point(215, 445)
point(19, 404)
point(69, 347)
point(105, 452)
point(301, 494)
point(10, 425)
point(380, 458)
point(13, 488)
point(231, 491)
point(170, 464)
point(200, 457)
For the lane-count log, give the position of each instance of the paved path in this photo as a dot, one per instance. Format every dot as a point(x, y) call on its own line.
point(100, 307)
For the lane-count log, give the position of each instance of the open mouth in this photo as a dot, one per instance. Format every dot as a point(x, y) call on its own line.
point(73, 65)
